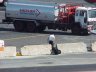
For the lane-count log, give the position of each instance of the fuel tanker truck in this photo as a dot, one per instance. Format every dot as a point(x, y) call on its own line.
point(35, 16)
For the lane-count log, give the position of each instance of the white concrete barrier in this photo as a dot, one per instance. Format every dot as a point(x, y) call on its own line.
point(2, 54)
point(2, 15)
point(94, 46)
point(72, 47)
point(30, 50)
point(1, 45)
point(8, 51)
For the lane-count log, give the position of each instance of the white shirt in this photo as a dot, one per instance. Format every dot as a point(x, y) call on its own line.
point(1, 1)
point(51, 38)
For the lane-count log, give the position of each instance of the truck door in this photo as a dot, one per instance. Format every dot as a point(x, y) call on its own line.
point(83, 18)
point(77, 13)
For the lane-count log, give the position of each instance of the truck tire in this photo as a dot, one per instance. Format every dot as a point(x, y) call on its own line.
point(76, 29)
point(19, 26)
point(41, 28)
point(31, 26)
point(84, 32)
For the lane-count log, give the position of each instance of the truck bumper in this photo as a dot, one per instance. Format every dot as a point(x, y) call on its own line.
point(90, 28)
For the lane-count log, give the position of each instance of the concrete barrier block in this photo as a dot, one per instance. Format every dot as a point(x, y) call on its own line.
point(1, 45)
point(94, 46)
point(2, 15)
point(72, 47)
point(10, 51)
point(2, 54)
point(36, 50)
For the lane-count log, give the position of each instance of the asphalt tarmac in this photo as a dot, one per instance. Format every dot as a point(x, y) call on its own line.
point(51, 63)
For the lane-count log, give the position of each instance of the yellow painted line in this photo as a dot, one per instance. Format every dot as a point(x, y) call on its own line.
point(23, 37)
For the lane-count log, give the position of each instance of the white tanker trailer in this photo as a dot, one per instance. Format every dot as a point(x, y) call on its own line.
point(35, 16)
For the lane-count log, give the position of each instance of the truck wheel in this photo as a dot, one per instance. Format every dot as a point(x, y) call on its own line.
point(76, 30)
point(41, 28)
point(84, 32)
point(18, 25)
point(31, 27)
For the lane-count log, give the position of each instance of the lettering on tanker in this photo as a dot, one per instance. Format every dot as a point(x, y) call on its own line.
point(30, 12)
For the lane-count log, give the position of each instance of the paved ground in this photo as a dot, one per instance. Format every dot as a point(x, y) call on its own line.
point(76, 68)
point(64, 1)
point(50, 63)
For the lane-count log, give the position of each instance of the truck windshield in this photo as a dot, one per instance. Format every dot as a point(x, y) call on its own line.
point(92, 13)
